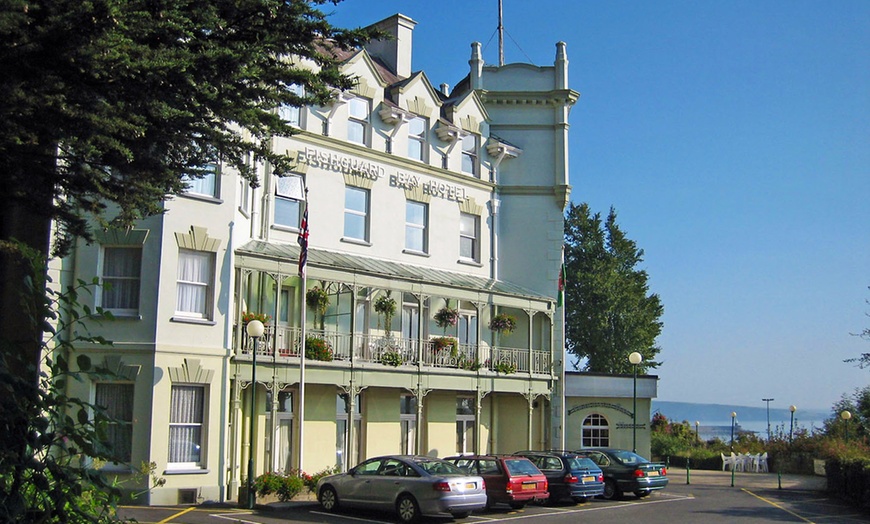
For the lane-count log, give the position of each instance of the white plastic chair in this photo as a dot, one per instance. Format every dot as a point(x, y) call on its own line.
point(740, 462)
point(761, 463)
point(727, 462)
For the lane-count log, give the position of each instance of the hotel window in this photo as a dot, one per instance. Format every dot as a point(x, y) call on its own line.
point(116, 399)
point(596, 432)
point(408, 419)
point(465, 425)
point(416, 226)
point(206, 185)
point(347, 452)
point(290, 113)
point(469, 237)
point(195, 283)
point(186, 413)
point(120, 275)
point(358, 120)
point(279, 449)
point(467, 327)
point(288, 200)
point(470, 163)
point(417, 144)
point(356, 213)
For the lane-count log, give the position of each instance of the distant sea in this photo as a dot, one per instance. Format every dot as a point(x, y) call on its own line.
point(715, 419)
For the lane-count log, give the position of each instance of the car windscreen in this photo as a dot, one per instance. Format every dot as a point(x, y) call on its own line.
point(518, 467)
point(439, 467)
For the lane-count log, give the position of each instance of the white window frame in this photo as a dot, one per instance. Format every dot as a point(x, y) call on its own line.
point(470, 147)
point(408, 421)
point(204, 281)
point(595, 434)
point(197, 422)
point(207, 185)
point(288, 191)
point(354, 215)
point(418, 142)
point(359, 111)
point(103, 298)
point(416, 230)
point(465, 425)
point(291, 114)
point(472, 236)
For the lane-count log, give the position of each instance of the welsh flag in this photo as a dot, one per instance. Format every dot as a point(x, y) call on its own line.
point(561, 294)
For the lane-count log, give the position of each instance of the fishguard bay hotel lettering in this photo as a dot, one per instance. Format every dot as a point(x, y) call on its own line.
point(344, 164)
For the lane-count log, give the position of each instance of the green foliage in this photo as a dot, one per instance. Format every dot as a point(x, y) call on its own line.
point(439, 343)
point(504, 367)
point(469, 364)
point(311, 480)
point(446, 317)
point(53, 444)
point(385, 305)
point(284, 486)
point(503, 323)
point(317, 349)
point(610, 312)
point(392, 358)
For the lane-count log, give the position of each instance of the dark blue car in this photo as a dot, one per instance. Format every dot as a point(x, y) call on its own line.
point(570, 476)
point(627, 472)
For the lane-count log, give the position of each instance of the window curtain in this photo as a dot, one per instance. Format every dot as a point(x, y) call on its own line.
point(121, 270)
point(185, 424)
point(194, 278)
point(117, 401)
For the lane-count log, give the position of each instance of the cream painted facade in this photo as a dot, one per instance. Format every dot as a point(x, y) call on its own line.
point(428, 196)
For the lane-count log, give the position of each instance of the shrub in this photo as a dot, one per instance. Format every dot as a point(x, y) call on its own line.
point(312, 480)
point(317, 349)
point(285, 486)
point(440, 343)
point(392, 358)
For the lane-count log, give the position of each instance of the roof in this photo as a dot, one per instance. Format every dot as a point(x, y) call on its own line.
point(346, 262)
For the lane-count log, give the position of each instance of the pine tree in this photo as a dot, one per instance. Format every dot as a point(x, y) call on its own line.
point(610, 312)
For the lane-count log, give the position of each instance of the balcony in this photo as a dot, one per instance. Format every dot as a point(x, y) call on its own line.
point(283, 345)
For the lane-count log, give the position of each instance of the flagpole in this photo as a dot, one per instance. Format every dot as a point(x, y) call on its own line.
point(563, 394)
point(303, 259)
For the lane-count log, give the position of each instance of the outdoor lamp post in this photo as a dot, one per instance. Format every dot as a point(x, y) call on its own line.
point(768, 400)
point(697, 431)
point(255, 330)
point(733, 421)
point(791, 408)
point(635, 358)
point(846, 415)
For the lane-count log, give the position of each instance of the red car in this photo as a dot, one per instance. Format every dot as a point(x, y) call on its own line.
point(510, 480)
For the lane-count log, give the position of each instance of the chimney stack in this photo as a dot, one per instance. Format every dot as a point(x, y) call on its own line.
point(395, 52)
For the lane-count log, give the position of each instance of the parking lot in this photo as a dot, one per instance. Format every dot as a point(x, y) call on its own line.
point(708, 498)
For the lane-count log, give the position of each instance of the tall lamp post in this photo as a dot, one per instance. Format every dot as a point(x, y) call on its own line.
point(768, 400)
point(255, 330)
point(635, 359)
point(733, 421)
point(791, 408)
point(697, 431)
point(846, 415)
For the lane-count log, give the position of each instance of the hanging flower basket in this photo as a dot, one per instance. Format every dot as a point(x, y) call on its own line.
point(449, 343)
point(386, 305)
point(446, 317)
point(503, 323)
point(247, 316)
point(317, 299)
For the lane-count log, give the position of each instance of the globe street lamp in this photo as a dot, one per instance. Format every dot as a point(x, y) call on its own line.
point(768, 400)
point(255, 330)
point(846, 415)
point(733, 421)
point(791, 408)
point(697, 431)
point(635, 359)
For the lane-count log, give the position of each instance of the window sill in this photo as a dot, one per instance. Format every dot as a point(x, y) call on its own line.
point(357, 241)
point(289, 229)
point(188, 320)
point(469, 262)
point(416, 253)
point(126, 316)
point(202, 198)
point(186, 472)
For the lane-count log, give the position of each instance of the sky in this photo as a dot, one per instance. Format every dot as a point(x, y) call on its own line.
point(733, 140)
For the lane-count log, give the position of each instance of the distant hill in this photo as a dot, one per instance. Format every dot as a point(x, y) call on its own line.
point(720, 414)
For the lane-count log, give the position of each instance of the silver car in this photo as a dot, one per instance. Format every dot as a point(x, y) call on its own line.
point(410, 485)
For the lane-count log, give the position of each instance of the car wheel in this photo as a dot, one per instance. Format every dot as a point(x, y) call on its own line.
point(461, 514)
point(328, 499)
point(407, 509)
point(611, 490)
point(641, 494)
point(517, 505)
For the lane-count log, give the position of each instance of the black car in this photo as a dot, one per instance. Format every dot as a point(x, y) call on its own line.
point(627, 472)
point(569, 475)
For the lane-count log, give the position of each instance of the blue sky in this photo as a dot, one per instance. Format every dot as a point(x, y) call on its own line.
point(733, 139)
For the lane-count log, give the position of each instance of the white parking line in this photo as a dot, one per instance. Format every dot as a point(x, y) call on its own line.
point(561, 512)
point(234, 517)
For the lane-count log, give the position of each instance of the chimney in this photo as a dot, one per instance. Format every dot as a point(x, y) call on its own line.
point(445, 89)
point(476, 64)
point(396, 51)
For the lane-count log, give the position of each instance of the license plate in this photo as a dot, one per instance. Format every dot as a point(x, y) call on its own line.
point(530, 485)
point(470, 485)
point(652, 473)
point(588, 479)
